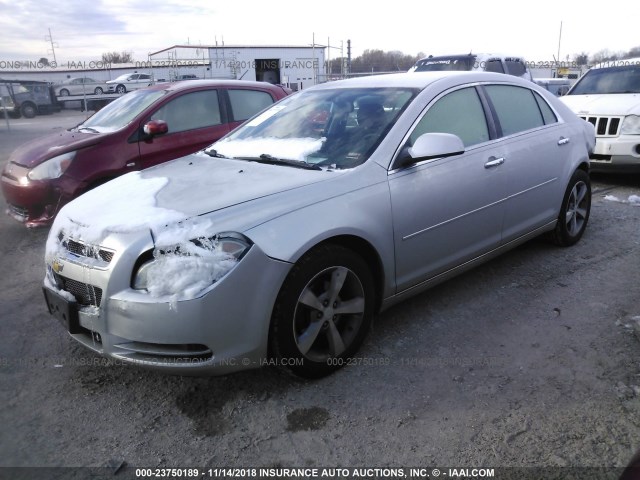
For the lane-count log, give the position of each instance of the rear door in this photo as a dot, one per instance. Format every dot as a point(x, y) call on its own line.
point(534, 145)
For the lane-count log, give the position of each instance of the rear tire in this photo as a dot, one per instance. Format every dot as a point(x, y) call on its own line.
point(323, 312)
point(575, 210)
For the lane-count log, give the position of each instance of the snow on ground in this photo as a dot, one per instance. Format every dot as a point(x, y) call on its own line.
point(632, 200)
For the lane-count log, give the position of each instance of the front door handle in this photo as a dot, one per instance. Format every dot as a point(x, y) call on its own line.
point(494, 162)
point(563, 141)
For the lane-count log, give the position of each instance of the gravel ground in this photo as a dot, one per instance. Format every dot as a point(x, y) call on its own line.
point(529, 360)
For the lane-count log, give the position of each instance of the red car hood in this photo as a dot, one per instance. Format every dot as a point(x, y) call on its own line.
point(37, 151)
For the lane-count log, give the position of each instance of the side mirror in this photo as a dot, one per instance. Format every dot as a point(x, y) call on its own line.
point(431, 145)
point(155, 127)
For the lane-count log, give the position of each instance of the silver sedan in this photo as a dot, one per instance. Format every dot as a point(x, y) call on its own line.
point(279, 243)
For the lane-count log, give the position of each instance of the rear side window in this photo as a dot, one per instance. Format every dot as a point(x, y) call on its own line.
point(246, 103)
point(516, 107)
point(445, 117)
point(494, 66)
point(190, 111)
point(515, 67)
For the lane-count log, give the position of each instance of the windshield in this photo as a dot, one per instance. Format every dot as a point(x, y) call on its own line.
point(438, 64)
point(609, 80)
point(122, 111)
point(338, 128)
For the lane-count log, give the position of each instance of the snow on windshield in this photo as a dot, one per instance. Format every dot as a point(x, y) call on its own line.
point(128, 204)
point(288, 148)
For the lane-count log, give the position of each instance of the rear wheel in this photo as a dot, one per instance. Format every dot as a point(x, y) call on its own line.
point(323, 311)
point(574, 213)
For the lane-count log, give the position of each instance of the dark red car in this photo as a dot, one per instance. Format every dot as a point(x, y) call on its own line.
point(140, 129)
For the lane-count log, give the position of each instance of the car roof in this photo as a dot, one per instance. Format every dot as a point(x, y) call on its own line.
point(177, 86)
point(421, 80)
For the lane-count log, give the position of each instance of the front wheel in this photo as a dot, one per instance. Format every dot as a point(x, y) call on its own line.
point(64, 92)
point(28, 110)
point(121, 89)
point(98, 91)
point(323, 312)
point(574, 213)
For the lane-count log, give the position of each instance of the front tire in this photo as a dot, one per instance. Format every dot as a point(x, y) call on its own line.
point(64, 92)
point(28, 110)
point(98, 91)
point(323, 312)
point(121, 89)
point(575, 210)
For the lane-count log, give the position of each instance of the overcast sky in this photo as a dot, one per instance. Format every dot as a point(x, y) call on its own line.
point(83, 30)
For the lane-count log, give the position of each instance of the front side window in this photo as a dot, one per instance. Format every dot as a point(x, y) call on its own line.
point(516, 107)
point(246, 103)
point(190, 111)
point(459, 113)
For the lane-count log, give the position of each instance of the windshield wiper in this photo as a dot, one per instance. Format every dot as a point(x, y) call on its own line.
point(214, 153)
point(271, 160)
point(88, 128)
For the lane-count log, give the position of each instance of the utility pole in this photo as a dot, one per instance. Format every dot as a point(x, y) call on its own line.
point(53, 45)
point(348, 57)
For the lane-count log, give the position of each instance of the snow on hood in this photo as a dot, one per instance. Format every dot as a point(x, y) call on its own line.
point(605, 104)
point(168, 201)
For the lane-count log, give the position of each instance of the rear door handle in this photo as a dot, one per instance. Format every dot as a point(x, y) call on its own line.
point(494, 162)
point(563, 141)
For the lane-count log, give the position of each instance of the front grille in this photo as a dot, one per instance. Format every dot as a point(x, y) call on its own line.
point(85, 294)
point(605, 126)
point(82, 249)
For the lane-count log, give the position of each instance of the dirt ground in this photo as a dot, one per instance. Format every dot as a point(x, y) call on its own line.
point(529, 360)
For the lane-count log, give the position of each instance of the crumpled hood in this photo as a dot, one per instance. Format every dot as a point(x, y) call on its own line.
point(610, 104)
point(37, 151)
point(185, 188)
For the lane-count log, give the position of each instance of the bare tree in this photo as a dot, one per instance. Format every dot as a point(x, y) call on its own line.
point(115, 57)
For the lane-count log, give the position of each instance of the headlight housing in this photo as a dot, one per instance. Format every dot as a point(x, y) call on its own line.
point(630, 125)
point(186, 269)
point(52, 168)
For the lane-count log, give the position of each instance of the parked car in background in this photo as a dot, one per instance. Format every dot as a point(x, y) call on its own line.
point(335, 203)
point(609, 98)
point(482, 62)
point(557, 86)
point(129, 81)
point(80, 86)
point(189, 76)
point(136, 131)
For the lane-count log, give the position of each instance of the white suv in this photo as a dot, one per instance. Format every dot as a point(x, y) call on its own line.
point(609, 98)
point(488, 62)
